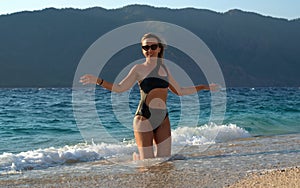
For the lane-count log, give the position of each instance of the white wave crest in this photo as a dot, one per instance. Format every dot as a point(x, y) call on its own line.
point(44, 158)
point(208, 134)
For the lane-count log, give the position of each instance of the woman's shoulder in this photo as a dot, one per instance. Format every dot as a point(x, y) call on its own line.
point(138, 70)
point(139, 67)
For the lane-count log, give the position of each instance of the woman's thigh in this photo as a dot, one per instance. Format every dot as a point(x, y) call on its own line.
point(163, 132)
point(142, 131)
point(162, 138)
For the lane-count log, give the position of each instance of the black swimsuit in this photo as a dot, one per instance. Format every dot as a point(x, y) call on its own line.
point(152, 81)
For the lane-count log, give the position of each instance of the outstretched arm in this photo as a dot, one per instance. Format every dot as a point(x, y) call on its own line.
point(124, 85)
point(178, 90)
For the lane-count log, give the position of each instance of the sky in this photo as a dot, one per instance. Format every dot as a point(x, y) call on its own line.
point(288, 9)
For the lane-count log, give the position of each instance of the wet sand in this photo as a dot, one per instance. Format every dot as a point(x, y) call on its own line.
point(253, 162)
point(158, 177)
point(168, 174)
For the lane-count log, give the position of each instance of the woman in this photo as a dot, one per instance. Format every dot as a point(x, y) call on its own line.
point(151, 122)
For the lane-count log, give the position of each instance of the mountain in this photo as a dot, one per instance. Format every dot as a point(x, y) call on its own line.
point(43, 48)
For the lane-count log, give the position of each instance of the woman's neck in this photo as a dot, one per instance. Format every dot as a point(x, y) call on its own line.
point(151, 61)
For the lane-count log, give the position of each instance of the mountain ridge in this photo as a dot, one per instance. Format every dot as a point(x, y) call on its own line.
point(42, 48)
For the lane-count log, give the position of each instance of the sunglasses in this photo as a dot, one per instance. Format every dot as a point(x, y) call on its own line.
point(147, 47)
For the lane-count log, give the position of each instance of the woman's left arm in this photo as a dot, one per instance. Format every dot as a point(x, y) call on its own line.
point(180, 91)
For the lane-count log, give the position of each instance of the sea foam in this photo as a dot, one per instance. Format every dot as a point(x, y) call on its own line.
point(49, 157)
point(208, 134)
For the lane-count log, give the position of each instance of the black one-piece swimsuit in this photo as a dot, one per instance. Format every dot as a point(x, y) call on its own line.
point(152, 81)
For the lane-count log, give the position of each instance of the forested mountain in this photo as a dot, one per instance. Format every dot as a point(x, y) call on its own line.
point(43, 48)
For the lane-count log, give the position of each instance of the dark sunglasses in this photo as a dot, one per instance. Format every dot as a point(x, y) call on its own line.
point(147, 47)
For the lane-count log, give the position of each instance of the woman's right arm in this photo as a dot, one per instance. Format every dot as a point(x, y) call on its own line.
point(124, 85)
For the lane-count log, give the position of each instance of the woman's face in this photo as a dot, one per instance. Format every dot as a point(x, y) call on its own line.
point(150, 47)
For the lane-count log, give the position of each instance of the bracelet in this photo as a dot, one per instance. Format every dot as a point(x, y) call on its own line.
point(101, 82)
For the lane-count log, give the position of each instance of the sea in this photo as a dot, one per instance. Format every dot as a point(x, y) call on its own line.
point(40, 130)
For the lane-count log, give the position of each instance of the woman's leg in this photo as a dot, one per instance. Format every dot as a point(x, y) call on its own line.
point(144, 138)
point(162, 138)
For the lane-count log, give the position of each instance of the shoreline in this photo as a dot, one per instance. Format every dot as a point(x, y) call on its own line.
point(153, 177)
point(250, 162)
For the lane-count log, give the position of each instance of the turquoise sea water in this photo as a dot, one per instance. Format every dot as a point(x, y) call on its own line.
point(38, 129)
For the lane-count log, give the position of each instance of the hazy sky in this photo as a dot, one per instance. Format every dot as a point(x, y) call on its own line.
point(289, 9)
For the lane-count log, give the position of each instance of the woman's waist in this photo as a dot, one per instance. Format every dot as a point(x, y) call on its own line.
point(156, 103)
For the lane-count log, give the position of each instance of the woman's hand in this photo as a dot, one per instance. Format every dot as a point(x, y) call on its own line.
point(214, 87)
point(89, 79)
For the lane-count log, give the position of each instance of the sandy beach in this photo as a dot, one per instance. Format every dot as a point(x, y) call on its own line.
point(253, 162)
point(159, 177)
point(289, 177)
